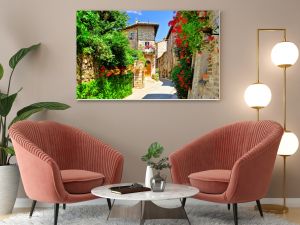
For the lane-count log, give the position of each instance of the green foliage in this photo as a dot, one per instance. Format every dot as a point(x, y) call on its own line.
point(88, 90)
point(193, 33)
point(155, 77)
point(163, 163)
point(27, 111)
point(192, 30)
point(139, 55)
point(16, 58)
point(7, 101)
point(113, 87)
point(154, 151)
point(99, 33)
point(87, 51)
point(120, 49)
point(1, 71)
point(182, 76)
point(8, 150)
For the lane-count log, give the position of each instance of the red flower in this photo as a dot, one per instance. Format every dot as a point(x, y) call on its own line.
point(210, 38)
point(178, 41)
point(102, 69)
point(171, 23)
point(109, 74)
point(179, 29)
point(184, 20)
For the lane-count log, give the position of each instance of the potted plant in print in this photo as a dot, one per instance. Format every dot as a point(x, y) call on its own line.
point(9, 173)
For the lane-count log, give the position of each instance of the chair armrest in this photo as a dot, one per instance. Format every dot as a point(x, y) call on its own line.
point(40, 174)
point(99, 157)
point(191, 158)
point(251, 174)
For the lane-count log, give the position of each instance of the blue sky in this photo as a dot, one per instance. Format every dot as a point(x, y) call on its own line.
point(160, 17)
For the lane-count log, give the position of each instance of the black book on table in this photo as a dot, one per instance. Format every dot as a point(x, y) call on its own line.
point(128, 189)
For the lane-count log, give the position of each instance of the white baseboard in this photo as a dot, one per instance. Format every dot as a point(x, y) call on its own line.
point(291, 202)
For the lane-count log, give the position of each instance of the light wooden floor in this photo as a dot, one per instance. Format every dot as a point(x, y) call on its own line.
point(293, 215)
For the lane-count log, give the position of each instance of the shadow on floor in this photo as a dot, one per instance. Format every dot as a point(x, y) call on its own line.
point(160, 96)
point(167, 82)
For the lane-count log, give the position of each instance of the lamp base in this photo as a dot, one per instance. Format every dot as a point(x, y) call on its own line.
point(276, 209)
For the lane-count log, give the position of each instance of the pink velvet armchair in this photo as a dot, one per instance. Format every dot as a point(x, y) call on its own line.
point(230, 165)
point(60, 164)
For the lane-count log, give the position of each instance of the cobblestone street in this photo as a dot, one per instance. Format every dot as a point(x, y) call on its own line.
point(163, 89)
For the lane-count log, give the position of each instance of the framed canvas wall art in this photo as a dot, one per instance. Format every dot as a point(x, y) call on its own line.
point(148, 55)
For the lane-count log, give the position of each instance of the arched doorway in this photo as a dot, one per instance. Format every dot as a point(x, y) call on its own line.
point(148, 68)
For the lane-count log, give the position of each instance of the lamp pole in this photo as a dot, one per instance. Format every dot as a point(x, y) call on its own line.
point(278, 209)
point(284, 182)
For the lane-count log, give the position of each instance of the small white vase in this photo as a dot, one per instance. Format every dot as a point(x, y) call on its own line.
point(148, 176)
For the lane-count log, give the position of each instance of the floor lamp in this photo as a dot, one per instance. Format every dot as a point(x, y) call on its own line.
point(284, 55)
point(258, 95)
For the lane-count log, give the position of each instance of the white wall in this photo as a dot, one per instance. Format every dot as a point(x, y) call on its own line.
point(49, 74)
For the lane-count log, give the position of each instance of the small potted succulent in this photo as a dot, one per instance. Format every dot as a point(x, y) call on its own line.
point(156, 182)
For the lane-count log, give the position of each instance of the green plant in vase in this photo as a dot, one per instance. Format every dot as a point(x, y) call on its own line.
point(157, 183)
point(9, 174)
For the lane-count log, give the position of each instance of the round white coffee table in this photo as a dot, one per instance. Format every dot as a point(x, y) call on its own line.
point(145, 209)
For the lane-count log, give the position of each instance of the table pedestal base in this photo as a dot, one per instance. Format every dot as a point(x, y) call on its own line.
point(147, 210)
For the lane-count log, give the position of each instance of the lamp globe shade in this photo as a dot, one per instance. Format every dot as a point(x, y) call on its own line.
point(257, 95)
point(289, 144)
point(284, 54)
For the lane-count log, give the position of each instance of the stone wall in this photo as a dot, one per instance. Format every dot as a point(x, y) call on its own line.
point(146, 33)
point(168, 60)
point(161, 48)
point(138, 79)
point(132, 38)
point(162, 65)
point(140, 33)
point(206, 79)
point(86, 68)
point(171, 56)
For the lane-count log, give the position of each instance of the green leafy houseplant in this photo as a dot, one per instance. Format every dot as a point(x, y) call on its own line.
point(154, 152)
point(6, 102)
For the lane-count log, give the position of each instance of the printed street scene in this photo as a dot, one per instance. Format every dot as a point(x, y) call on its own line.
point(144, 55)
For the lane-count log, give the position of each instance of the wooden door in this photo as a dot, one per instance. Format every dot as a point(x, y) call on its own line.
point(148, 69)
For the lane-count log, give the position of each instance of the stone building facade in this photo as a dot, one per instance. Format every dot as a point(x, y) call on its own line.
point(168, 59)
point(161, 47)
point(141, 36)
point(206, 79)
point(161, 59)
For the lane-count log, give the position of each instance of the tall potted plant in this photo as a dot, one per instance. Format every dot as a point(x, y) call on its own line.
point(9, 174)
